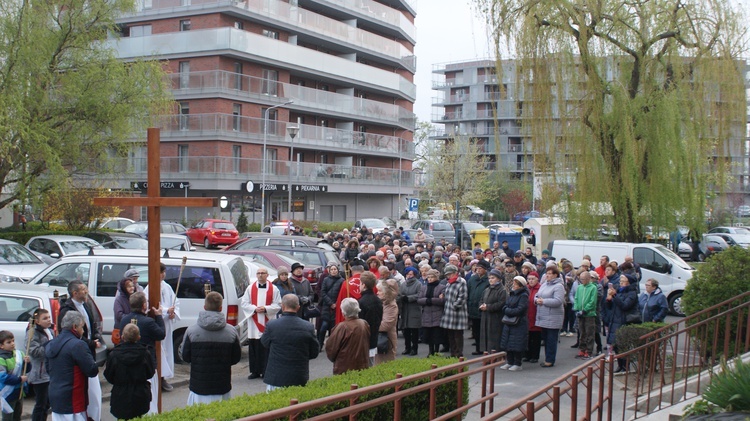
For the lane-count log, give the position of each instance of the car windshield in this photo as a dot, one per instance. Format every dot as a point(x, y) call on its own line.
point(173, 243)
point(224, 226)
point(137, 228)
point(373, 223)
point(741, 238)
point(77, 245)
point(13, 254)
point(131, 243)
point(670, 254)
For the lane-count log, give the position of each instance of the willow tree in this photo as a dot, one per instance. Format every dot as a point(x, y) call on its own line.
point(456, 169)
point(641, 103)
point(68, 105)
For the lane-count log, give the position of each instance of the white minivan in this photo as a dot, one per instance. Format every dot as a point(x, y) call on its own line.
point(655, 260)
point(102, 269)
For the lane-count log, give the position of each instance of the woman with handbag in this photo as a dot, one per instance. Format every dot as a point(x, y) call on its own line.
point(516, 329)
point(491, 305)
point(387, 291)
point(622, 302)
point(432, 300)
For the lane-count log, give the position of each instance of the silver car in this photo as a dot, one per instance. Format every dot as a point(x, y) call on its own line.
point(17, 263)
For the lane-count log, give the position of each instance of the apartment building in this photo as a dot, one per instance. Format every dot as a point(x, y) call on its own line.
point(244, 72)
point(469, 99)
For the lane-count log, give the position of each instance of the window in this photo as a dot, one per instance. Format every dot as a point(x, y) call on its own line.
point(323, 158)
point(61, 275)
point(17, 309)
point(140, 31)
point(239, 24)
point(184, 118)
point(272, 117)
point(236, 117)
point(271, 155)
point(236, 158)
point(650, 259)
point(144, 4)
point(185, 25)
point(182, 155)
point(137, 159)
point(238, 75)
point(270, 34)
point(270, 82)
point(184, 74)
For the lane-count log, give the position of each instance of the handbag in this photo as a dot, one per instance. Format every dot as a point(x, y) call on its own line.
point(510, 320)
point(311, 311)
point(633, 318)
point(382, 342)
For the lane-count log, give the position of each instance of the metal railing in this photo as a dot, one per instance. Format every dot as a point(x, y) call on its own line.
point(664, 371)
point(458, 373)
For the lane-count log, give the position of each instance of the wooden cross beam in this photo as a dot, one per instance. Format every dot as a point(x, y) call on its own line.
point(154, 203)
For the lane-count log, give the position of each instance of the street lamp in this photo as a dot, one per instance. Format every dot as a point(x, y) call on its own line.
point(263, 170)
point(292, 130)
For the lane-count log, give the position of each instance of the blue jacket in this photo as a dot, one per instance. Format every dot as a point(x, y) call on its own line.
point(654, 306)
point(69, 363)
point(291, 344)
point(152, 329)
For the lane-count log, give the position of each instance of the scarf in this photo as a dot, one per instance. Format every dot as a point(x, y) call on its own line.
point(254, 299)
point(8, 389)
point(453, 279)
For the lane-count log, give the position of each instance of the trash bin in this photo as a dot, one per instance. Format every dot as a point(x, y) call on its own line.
point(480, 236)
point(512, 237)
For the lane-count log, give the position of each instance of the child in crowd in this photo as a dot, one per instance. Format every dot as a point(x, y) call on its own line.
point(38, 377)
point(129, 368)
point(11, 377)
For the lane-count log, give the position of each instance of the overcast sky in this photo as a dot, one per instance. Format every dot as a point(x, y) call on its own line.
point(447, 31)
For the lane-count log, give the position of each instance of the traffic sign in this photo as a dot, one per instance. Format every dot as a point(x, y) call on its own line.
point(168, 185)
point(413, 205)
point(309, 188)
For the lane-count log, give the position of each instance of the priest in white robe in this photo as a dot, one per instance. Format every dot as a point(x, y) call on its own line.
point(260, 303)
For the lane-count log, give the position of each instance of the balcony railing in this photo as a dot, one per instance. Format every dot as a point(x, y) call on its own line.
point(259, 88)
point(228, 168)
point(216, 125)
point(300, 18)
point(380, 12)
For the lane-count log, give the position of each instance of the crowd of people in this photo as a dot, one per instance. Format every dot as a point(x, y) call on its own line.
point(510, 301)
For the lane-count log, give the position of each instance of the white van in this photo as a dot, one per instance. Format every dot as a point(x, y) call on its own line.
point(102, 269)
point(655, 260)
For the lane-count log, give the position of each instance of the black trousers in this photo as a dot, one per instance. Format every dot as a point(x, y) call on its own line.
point(433, 336)
point(411, 339)
point(456, 341)
point(476, 327)
point(258, 356)
point(535, 345)
point(41, 407)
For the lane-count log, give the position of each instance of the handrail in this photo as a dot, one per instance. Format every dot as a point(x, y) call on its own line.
point(489, 362)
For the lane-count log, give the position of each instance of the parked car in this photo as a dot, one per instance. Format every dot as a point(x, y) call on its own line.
point(436, 212)
point(118, 240)
point(18, 303)
point(710, 245)
point(278, 228)
point(729, 230)
point(253, 240)
point(377, 225)
point(175, 242)
point(743, 211)
point(57, 246)
point(524, 216)
point(213, 232)
point(438, 229)
point(476, 214)
point(274, 258)
point(17, 263)
point(167, 227)
point(101, 271)
point(116, 223)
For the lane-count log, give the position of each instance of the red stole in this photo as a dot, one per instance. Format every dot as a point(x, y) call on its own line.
point(254, 300)
point(349, 289)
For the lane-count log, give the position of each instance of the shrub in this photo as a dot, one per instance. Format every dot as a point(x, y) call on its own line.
point(729, 391)
point(627, 337)
point(22, 237)
point(414, 407)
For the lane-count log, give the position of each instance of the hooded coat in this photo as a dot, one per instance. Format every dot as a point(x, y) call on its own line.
point(211, 347)
point(129, 368)
point(653, 306)
point(624, 302)
point(491, 327)
point(69, 362)
point(516, 337)
point(122, 302)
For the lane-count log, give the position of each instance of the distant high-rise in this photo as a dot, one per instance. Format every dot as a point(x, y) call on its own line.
point(347, 65)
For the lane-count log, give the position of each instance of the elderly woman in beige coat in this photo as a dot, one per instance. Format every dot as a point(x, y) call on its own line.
point(387, 292)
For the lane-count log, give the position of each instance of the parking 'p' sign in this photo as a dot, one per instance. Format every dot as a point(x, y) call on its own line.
point(413, 205)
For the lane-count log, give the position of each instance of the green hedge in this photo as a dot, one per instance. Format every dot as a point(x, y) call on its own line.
point(22, 237)
point(415, 407)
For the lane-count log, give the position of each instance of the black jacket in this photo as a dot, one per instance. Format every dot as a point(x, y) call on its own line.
point(211, 347)
point(515, 338)
point(129, 368)
point(328, 295)
point(93, 322)
point(371, 311)
point(291, 344)
point(152, 330)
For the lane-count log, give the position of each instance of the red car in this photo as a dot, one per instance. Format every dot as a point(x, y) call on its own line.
point(213, 232)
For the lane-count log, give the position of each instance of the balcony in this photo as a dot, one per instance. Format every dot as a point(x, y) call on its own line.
point(229, 168)
point(263, 49)
point(346, 106)
point(293, 18)
point(242, 129)
point(378, 12)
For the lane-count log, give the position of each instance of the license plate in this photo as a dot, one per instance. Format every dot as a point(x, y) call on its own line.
point(226, 234)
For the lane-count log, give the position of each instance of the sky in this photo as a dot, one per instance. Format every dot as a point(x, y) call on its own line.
point(447, 31)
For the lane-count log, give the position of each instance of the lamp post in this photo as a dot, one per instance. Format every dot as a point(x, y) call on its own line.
point(292, 130)
point(263, 170)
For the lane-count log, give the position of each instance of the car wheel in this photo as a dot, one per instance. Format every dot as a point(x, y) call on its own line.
point(675, 304)
point(177, 338)
point(206, 244)
point(701, 257)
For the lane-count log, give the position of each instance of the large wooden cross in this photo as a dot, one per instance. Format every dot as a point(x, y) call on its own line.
point(154, 202)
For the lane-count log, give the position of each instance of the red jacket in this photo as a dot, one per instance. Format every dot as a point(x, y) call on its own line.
point(532, 307)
